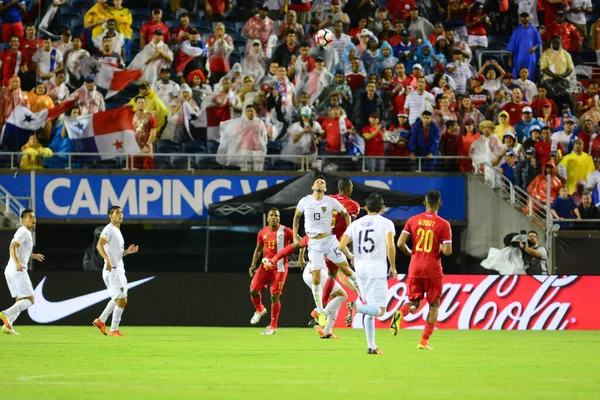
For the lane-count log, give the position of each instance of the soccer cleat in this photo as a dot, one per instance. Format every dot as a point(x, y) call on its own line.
point(115, 333)
point(267, 262)
point(269, 331)
point(100, 325)
point(424, 347)
point(4, 319)
point(7, 331)
point(395, 325)
point(330, 336)
point(322, 319)
point(375, 351)
point(351, 310)
point(314, 318)
point(257, 316)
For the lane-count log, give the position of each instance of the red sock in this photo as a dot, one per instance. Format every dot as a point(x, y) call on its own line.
point(275, 310)
point(329, 284)
point(287, 250)
point(405, 309)
point(427, 332)
point(257, 301)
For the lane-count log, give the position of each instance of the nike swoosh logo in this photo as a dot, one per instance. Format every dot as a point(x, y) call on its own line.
point(44, 311)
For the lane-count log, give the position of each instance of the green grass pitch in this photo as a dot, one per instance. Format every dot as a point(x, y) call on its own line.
point(48, 362)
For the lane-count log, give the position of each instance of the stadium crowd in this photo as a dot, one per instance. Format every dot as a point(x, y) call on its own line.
point(508, 83)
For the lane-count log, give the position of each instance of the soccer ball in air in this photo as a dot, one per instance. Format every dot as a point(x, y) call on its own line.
point(324, 37)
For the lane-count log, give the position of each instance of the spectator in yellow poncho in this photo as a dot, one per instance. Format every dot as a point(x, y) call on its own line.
point(153, 104)
point(34, 154)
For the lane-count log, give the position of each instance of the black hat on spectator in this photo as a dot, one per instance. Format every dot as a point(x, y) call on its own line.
point(192, 31)
point(90, 78)
point(263, 7)
point(524, 14)
point(165, 70)
point(560, 13)
point(530, 151)
point(158, 32)
point(157, 11)
point(405, 32)
point(457, 51)
point(144, 85)
point(554, 153)
point(426, 112)
point(319, 59)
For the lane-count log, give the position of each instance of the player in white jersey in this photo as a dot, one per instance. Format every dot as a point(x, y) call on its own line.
point(318, 216)
point(372, 237)
point(17, 278)
point(111, 247)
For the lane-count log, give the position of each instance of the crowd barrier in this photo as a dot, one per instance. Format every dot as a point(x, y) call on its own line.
point(193, 299)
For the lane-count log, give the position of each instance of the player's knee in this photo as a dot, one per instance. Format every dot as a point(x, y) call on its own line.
point(274, 298)
point(381, 311)
point(122, 302)
point(332, 274)
point(32, 300)
point(254, 293)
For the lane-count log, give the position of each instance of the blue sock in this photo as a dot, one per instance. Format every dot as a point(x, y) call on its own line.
point(370, 331)
point(368, 310)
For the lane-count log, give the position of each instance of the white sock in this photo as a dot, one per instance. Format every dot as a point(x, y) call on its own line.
point(13, 317)
point(316, 289)
point(368, 310)
point(332, 310)
point(354, 282)
point(116, 318)
point(107, 311)
point(19, 306)
point(370, 331)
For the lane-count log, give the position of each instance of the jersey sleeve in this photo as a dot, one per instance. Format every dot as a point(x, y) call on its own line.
point(106, 233)
point(289, 235)
point(446, 233)
point(336, 205)
point(349, 230)
point(20, 235)
point(353, 209)
point(300, 206)
point(390, 227)
point(259, 238)
point(408, 227)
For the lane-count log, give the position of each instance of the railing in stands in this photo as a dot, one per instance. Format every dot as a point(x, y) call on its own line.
point(276, 162)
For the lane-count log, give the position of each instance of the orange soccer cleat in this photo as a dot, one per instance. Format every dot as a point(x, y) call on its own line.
point(100, 325)
point(423, 345)
point(115, 333)
point(4, 319)
point(322, 333)
point(375, 351)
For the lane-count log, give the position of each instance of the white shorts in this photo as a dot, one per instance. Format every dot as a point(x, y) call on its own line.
point(307, 277)
point(19, 284)
point(116, 283)
point(477, 40)
point(320, 249)
point(374, 290)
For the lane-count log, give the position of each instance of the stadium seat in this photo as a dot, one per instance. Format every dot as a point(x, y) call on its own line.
point(202, 26)
point(281, 165)
point(5, 159)
point(172, 24)
point(69, 10)
point(195, 146)
point(229, 26)
point(239, 25)
point(167, 146)
point(234, 58)
point(4, 46)
point(183, 162)
point(162, 162)
point(112, 163)
point(212, 146)
point(141, 14)
point(81, 4)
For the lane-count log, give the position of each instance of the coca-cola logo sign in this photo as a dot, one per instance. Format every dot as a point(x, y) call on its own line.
point(502, 302)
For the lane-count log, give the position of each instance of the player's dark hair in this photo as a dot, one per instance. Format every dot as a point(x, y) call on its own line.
point(290, 32)
point(344, 183)
point(112, 210)
point(25, 212)
point(321, 177)
point(273, 209)
point(374, 202)
point(433, 197)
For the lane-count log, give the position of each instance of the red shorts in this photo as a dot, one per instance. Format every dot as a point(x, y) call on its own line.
point(9, 29)
point(330, 265)
point(417, 287)
point(264, 276)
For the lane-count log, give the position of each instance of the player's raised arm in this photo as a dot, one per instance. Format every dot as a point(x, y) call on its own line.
point(100, 247)
point(296, 225)
point(344, 246)
point(391, 254)
point(402, 243)
point(258, 250)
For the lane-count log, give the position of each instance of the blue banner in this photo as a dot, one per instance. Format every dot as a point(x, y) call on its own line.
point(175, 197)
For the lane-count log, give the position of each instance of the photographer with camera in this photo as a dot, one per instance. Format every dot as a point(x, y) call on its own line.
point(535, 256)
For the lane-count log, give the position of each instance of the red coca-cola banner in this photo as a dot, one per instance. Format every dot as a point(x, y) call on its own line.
point(501, 302)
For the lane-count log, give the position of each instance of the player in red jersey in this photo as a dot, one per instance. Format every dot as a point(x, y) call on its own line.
point(431, 235)
point(271, 239)
point(345, 188)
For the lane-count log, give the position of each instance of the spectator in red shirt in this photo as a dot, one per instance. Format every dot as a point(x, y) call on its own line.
point(180, 33)
point(334, 128)
point(476, 28)
point(450, 144)
point(373, 135)
point(585, 101)
point(11, 61)
point(29, 45)
point(515, 107)
point(572, 39)
point(216, 9)
point(551, 9)
point(355, 78)
point(149, 27)
point(400, 9)
point(543, 148)
point(541, 100)
point(586, 134)
point(595, 149)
